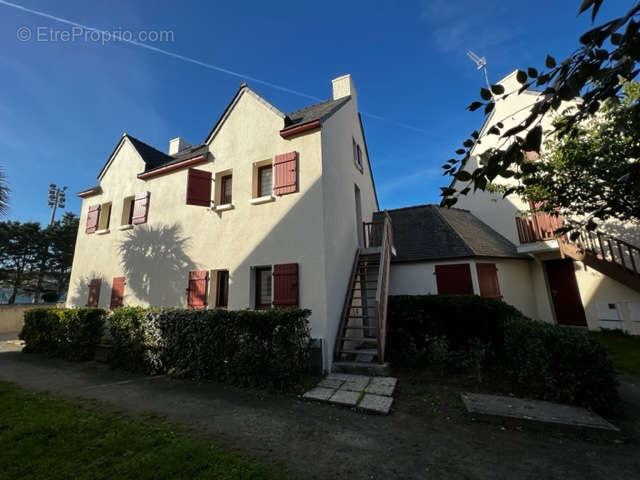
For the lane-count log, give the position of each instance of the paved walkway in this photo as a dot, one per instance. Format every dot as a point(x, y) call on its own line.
point(320, 441)
point(370, 394)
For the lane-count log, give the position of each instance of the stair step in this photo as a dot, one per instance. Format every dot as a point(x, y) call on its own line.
point(360, 339)
point(358, 328)
point(362, 351)
point(360, 316)
point(362, 368)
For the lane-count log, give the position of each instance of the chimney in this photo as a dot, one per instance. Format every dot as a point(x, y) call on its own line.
point(177, 145)
point(343, 87)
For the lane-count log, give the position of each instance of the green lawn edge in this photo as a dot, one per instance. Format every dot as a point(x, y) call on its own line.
point(47, 437)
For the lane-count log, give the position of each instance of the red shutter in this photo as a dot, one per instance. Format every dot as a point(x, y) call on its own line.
point(488, 280)
point(454, 279)
point(94, 292)
point(197, 291)
point(199, 188)
point(140, 208)
point(285, 285)
point(286, 166)
point(117, 292)
point(92, 218)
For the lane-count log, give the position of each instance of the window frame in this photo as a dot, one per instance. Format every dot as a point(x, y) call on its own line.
point(104, 217)
point(223, 188)
point(262, 169)
point(258, 288)
point(220, 275)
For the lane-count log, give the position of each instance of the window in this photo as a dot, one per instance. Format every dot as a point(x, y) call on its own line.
point(488, 280)
point(263, 287)
point(265, 180)
point(454, 279)
point(93, 215)
point(117, 292)
point(104, 217)
point(225, 190)
point(127, 210)
point(357, 155)
point(199, 188)
point(286, 173)
point(197, 289)
point(285, 285)
point(94, 292)
point(222, 289)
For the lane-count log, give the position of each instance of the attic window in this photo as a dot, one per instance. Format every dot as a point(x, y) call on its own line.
point(127, 211)
point(357, 155)
point(104, 218)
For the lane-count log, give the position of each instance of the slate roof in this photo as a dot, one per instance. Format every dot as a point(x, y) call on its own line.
point(319, 111)
point(154, 158)
point(430, 232)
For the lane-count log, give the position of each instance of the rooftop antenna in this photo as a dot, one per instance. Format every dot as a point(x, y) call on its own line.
point(481, 63)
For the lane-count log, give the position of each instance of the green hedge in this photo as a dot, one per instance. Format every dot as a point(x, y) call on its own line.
point(246, 347)
point(70, 333)
point(550, 362)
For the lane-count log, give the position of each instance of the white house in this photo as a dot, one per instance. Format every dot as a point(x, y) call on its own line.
point(277, 209)
point(595, 283)
point(265, 211)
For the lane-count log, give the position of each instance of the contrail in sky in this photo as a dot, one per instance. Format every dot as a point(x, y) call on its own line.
point(194, 61)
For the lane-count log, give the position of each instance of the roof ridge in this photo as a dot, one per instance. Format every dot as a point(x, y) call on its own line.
point(466, 244)
point(423, 205)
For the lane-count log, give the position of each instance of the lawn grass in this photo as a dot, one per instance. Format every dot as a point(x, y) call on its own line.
point(44, 437)
point(623, 349)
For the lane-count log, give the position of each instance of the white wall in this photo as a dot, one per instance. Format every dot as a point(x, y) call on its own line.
point(178, 238)
point(514, 278)
point(339, 178)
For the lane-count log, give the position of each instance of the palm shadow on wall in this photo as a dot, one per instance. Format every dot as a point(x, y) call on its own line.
point(156, 265)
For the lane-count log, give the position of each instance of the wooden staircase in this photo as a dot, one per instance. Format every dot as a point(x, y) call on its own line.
point(608, 255)
point(360, 340)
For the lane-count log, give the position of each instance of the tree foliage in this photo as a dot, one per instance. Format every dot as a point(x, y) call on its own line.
point(30, 254)
point(587, 172)
point(4, 193)
point(589, 76)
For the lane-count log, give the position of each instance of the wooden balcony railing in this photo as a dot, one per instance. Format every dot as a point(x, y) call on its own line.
point(373, 233)
point(538, 227)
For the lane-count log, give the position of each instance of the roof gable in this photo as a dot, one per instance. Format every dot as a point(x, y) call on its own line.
point(243, 90)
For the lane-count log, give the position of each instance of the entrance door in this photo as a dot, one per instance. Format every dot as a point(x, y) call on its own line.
point(564, 292)
point(359, 217)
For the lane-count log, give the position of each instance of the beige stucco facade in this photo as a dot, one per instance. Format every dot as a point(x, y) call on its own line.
point(419, 278)
point(314, 227)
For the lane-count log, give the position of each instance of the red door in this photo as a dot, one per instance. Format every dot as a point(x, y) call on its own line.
point(564, 292)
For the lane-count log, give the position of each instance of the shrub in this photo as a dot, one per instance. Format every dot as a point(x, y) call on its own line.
point(461, 319)
point(560, 364)
point(135, 340)
point(464, 332)
point(70, 333)
point(251, 348)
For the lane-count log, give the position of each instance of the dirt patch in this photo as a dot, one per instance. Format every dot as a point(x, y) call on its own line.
point(428, 434)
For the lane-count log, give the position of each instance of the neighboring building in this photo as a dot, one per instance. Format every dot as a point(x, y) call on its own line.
point(594, 283)
point(276, 209)
point(267, 210)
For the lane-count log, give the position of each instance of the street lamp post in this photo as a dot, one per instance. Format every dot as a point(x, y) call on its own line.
point(57, 198)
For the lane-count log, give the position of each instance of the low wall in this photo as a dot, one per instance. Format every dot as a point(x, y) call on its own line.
point(12, 316)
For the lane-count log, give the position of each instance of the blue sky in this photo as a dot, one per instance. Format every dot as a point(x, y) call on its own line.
point(64, 104)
